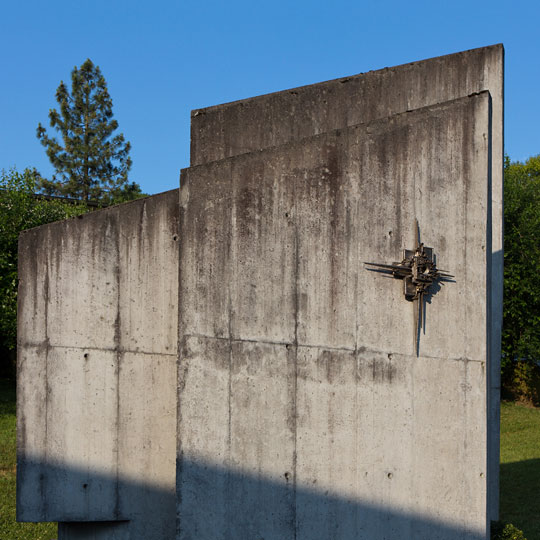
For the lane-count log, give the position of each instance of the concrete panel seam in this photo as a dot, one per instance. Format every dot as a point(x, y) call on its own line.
point(359, 350)
point(120, 350)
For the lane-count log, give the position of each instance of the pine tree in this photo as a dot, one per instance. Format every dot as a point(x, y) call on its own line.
point(90, 163)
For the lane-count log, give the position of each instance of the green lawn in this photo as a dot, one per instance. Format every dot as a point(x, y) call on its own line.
point(9, 528)
point(520, 468)
point(520, 471)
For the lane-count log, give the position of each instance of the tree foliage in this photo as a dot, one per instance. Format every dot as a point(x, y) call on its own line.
point(521, 322)
point(20, 209)
point(90, 162)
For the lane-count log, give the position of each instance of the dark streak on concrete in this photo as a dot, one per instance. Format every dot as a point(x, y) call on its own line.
point(294, 400)
point(230, 360)
point(43, 477)
point(118, 367)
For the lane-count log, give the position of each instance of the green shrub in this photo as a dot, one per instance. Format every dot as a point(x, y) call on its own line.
point(20, 209)
point(521, 306)
point(505, 531)
point(521, 382)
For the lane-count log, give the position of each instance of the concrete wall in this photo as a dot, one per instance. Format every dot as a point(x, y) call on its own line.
point(304, 411)
point(265, 121)
point(96, 371)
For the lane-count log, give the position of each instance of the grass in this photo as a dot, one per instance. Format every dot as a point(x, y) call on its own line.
point(520, 471)
point(520, 468)
point(9, 528)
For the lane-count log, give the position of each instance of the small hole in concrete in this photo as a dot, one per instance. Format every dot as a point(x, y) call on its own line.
point(175, 237)
point(390, 475)
point(85, 486)
point(86, 355)
point(481, 475)
point(389, 233)
point(287, 476)
point(286, 214)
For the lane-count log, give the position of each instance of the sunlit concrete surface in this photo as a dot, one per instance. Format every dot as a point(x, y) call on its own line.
point(97, 368)
point(298, 366)
point(261, 122)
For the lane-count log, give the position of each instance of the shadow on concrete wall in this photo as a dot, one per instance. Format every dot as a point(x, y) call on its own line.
point(123, 509)
point(220, 503)
point(216, 503)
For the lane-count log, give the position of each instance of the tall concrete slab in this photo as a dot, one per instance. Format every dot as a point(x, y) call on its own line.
point(301, 389)
point(262, 122)
point(97, 349)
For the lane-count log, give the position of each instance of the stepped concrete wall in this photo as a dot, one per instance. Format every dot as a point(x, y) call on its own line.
point(235, 320)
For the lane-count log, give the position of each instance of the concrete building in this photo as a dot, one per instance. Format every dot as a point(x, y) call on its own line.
point(218, 362)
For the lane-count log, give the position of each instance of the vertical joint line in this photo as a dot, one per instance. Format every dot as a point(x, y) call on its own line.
point(43, 483)
point(295, 381)
point(117, 342)
point(229, 397)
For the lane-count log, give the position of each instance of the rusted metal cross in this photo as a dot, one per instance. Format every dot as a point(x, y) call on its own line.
point(418, 272)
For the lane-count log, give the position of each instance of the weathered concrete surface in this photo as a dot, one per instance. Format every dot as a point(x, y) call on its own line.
point(304, 411)
point(252, 124)
point(96, 371)
point(255, 123)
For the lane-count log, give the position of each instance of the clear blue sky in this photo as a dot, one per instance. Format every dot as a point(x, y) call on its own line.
point(163, 58)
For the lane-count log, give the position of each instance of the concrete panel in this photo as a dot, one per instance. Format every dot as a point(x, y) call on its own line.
point(262, 440)
point(146, 449)
point(252, 124)
point(261, 212)
point(96, 375)
point(59, 260)
point(235, 243)
point(80, 309)
point(148, 277)
point(327, 243)
point(205, 255)
point(344, 197)
point(328, 449)
point(32, 296)
point(370, 430)
point(31, 430)
point(203, 427)
point(236, 413)
point(83, 387)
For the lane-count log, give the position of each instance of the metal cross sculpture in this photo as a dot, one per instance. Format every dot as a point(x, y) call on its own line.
point(418, 272)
